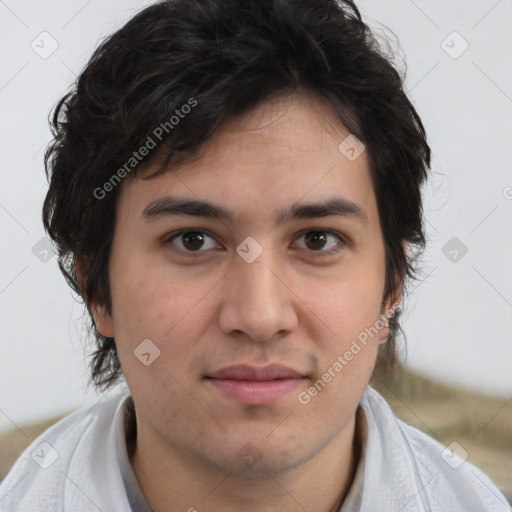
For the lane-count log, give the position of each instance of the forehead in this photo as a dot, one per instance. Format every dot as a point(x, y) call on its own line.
point(298, 123)
point(280, 153)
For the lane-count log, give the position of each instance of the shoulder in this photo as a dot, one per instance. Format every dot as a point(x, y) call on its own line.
point(69, 466)
point(426, 474)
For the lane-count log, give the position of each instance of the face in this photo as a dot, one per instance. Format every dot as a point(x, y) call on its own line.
point(250, 321)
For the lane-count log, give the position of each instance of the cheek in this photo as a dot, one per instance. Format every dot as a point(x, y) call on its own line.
point(347, 356)
point(350, 305)
point(350, 310)
point(146, 298)
point(152, 305)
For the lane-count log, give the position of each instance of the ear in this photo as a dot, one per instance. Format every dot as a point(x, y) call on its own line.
point(395, 299)
point(102, 319)
point(390, 306)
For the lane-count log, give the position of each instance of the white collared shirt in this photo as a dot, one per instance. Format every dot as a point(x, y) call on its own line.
point(81, 464)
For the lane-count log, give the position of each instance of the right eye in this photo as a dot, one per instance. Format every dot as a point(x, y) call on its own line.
point(190, 240)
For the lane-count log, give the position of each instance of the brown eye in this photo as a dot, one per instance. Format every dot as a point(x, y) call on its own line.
point(191, 241)
point(317, 240)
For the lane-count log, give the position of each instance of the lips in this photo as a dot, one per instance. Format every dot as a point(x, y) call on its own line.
point(251, 385)
point(245, 372)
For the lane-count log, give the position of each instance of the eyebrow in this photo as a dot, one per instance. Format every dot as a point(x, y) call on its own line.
point(181, 206)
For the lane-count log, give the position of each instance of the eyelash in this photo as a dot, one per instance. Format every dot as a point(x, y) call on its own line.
point(169, 239)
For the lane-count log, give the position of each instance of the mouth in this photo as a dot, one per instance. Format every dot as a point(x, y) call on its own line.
point(251, 385)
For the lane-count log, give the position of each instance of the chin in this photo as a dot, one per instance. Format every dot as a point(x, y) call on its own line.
point(253, 457)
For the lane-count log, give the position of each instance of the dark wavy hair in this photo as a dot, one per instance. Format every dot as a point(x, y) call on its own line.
point(230, 56)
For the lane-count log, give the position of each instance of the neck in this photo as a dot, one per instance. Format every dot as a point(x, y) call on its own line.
point(172, 482)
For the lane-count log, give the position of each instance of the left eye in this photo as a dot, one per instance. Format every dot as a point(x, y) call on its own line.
point(194, 240)
point(318, 239)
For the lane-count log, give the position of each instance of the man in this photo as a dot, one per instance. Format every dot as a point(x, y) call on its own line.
point(235, 191)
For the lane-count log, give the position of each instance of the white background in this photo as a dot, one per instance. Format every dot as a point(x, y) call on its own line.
point(458, 320)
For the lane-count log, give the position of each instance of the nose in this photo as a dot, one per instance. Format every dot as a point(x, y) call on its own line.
point(258, 303)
